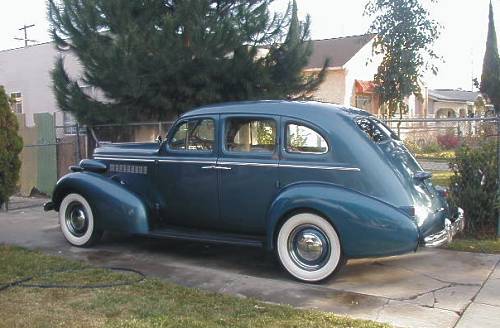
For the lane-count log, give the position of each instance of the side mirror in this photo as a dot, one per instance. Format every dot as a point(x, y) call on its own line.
point(159, 139)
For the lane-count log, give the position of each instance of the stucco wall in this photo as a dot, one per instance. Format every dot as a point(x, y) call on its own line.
point(27, 70)
point(333, 88)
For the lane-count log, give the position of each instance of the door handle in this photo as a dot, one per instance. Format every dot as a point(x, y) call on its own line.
point(211, 167)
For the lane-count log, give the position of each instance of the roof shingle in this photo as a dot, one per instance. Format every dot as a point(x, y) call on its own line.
point(338, 50)
point(453, 95)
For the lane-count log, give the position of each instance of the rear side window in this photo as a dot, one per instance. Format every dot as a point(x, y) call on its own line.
point(375, 130)
point(194, 135)
point(302, 139)
point(250, 135)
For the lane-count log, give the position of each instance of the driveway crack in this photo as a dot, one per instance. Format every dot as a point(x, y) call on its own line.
point(433, 291)
point(427, 275)
point(377, 317)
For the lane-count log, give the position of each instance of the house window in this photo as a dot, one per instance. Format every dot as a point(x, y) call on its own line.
point(364, 102)
point(17, 102)
point(69, 123)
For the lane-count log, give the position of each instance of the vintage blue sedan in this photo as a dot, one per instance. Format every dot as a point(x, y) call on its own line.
point(316, 183)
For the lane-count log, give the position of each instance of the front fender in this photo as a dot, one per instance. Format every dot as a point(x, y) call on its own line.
point(115, 208)
point(367, 226)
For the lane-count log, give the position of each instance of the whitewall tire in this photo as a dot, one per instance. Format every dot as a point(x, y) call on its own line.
point(309, 248)
point(77, 221)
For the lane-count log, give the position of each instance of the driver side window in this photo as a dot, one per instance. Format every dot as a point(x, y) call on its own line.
point(194, 135)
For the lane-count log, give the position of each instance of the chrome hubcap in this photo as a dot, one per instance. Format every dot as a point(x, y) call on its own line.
point(308, 247)
point(76, 219)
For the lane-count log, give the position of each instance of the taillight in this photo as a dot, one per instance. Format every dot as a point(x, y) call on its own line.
point(443, 192)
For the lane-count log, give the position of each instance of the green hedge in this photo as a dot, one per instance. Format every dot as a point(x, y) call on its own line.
point(10, 147)
point(474, 188)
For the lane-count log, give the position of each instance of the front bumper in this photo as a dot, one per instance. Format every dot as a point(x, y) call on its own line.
point(49, 206)
point(446, 235)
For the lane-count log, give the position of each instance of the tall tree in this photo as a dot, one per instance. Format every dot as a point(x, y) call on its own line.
point(405, 36)
point(490, 79)
point(10, 147)
point(154, 58)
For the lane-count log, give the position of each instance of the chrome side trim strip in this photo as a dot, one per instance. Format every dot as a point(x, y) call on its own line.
point(185, 161)
point(333, 168)
point(298, 166)
point(125, 159)
point(119, 156)
point(248, 164)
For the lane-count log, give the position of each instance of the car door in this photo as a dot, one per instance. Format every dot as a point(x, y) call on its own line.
point(188, 184)
point(307, 155)
point(247, 167)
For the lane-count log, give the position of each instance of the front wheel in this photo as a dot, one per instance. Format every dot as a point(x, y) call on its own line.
point(77, 221)
point(309, 248)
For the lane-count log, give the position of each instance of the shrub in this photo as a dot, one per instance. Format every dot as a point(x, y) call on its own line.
point(448, 141)
point(10, 147)
point(422, 142)
point(474, 188)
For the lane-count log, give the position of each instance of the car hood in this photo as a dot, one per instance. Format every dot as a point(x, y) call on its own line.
point(128, 149)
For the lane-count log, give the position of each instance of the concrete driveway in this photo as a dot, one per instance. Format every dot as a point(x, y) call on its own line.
point(432, 288)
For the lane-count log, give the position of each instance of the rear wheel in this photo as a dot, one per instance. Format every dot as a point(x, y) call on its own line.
point(309, 248)
point(77, 221)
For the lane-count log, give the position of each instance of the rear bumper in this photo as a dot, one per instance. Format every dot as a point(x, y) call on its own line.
point(446, 235)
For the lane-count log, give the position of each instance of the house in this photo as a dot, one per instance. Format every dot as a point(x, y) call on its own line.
point(449, 103)
point(350, 71)
point(25, 74)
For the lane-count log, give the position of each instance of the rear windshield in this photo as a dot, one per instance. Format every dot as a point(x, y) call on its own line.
point(375, 129)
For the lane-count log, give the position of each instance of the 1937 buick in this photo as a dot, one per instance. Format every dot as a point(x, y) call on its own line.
point(316, 183)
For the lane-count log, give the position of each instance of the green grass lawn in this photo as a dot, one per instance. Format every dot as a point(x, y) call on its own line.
point(440, 155)
point(150, 303)
point(489, 246)
point(441, 178)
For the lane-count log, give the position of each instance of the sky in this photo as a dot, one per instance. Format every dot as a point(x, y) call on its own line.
point(461, 44)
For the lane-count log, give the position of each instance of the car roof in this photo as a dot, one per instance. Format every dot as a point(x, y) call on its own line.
point(296, 109)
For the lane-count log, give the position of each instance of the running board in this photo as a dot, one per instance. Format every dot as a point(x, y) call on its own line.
point(207, 236)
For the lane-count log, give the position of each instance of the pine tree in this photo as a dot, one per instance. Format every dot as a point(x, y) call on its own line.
point(490, 79)
point(10, 147)
point(405, 35)
point(154, 58)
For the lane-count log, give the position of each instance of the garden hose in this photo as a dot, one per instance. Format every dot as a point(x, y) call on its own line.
point(24, 282)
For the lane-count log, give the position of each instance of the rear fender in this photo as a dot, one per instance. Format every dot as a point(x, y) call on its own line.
point(115, 208)
point(367, 226)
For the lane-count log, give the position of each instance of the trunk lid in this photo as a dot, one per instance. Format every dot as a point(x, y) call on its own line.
point(428, 207)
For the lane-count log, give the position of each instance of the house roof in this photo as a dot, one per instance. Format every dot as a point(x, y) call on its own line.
point(338, 50)
point(453, 95)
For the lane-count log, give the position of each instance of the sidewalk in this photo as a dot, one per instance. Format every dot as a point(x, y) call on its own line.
point(484, 311)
